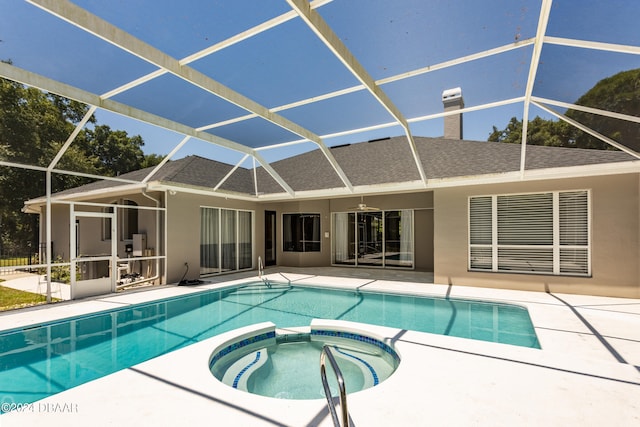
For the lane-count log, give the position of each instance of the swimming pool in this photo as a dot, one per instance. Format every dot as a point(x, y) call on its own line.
point(42, 360)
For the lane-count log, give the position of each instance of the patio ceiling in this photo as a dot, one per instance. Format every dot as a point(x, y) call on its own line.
point(261, 80)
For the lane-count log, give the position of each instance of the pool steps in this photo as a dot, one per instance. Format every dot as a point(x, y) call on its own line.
point(239, 373)
point(274, 286)
point(368, 372)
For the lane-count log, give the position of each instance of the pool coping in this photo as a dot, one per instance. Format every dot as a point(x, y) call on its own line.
point(586, 372)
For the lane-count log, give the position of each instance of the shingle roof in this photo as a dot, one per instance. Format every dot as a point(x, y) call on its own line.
point(391, 161)
point(369, 163)
point(192, 170)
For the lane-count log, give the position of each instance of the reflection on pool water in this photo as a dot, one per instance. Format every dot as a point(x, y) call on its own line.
point(40, 360)
point(288, 366)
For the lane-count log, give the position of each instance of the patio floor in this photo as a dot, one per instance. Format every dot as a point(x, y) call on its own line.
point(587, 373)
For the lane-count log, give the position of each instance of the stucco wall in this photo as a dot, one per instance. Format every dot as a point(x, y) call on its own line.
point(615, 238)
point(183, 231)
point(423, 221)
point(59, 232)
point(183, 228)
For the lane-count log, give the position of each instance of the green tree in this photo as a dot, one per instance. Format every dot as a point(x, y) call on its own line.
point(113, 152)
point(152, 160)
point(540, 132)
point(619, 93)
point(34, 125)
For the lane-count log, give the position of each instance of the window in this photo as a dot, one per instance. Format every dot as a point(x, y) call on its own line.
point(546, 233)
point(226, 240)
point(301, 232)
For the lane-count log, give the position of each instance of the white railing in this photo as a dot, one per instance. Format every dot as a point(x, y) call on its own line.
point(261, 272)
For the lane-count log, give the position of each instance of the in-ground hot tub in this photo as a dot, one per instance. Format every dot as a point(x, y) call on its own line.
point(287, 365)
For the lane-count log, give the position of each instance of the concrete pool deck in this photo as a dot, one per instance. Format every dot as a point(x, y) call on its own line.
point(587, 372)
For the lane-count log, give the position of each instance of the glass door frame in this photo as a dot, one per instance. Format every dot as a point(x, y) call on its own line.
point(270, 237)
point(354, 242)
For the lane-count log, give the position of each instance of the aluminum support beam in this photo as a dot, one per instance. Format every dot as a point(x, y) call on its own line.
point(121, 39)
point(543, 20)
point(166, 158)
point(267, 166)
point(72, 137)
point(100, 28)
point(233, 169)
point(260, 28)
point(458, 61)
point(588, 130)
point(28, 78)
point(398, 77)
point(31, 79)
point(585, 44)
point(589, 110)
point(333, 42)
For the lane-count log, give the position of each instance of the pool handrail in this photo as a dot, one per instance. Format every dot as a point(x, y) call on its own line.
point(326, 353)
point(261, 272)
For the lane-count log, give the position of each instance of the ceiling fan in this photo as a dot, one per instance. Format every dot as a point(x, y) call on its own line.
point(362, 206)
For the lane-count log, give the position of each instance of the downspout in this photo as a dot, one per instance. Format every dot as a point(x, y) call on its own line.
point(165, 236)
point(157, 245)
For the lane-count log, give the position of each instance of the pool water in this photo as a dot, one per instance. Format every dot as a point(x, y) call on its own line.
point(289, 368)
point(42, 360)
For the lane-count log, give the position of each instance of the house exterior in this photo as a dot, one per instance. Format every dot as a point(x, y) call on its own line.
point(568, 223)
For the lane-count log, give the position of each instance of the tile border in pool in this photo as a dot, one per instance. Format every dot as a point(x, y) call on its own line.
point(257, 334)
point(241, 344)
point(356, 337)
point(255, 338)
point(244, 370)
point(372, 371)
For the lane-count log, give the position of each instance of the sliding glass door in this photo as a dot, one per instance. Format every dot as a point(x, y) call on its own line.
point(373, 238)
point(398, 226)
point(370, 241)
point(245, 241)
point(228, 233)
point(344, 238)
point(226, 240)
point(209, 241)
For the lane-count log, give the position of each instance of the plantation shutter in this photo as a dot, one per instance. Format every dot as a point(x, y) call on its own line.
point(544, 233)
point(525, 232)
point(480, 225)
point(574, 232)
point(480, 233)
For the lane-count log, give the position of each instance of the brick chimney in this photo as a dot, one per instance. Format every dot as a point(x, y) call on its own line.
point(452, 100)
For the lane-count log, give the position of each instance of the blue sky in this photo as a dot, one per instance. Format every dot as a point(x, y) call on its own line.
point(288, 63)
